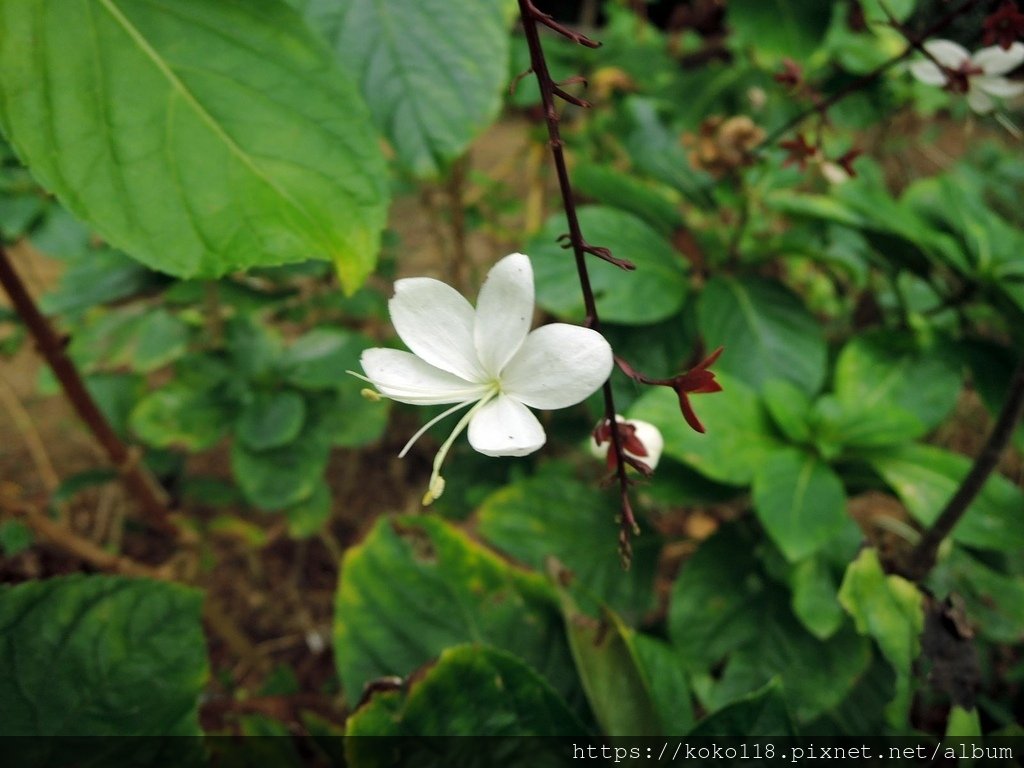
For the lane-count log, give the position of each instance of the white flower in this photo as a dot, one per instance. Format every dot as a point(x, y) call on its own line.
point(979, 76)
point(643, 435)
point(485, 358)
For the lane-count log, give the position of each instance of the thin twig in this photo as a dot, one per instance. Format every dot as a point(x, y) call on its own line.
point(151, 497)
point(531, 17)
point(923, 556)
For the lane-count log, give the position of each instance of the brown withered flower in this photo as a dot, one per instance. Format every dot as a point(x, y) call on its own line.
point(723, 145)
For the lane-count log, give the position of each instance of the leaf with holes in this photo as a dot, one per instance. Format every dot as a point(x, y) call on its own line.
point(198, 137)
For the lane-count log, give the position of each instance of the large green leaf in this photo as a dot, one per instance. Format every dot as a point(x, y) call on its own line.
point(653, 292)
point(432, 71)
point(761, 713)
point(718, 600)
point(800, 501)
point(198, 137)
point(100, 656)
point(766, 331)
point(616, 685)
point(555, 515)
point(926, 477)
point(416, 586)
point(471, 690)
point(739, 435)
point(888, 609)
point(886, 370)
point(816, 674)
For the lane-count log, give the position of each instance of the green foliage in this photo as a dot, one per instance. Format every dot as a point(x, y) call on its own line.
point(888, 609)
point(431, 71)
point(452, 591)
point(101, 656)
point(653, 292)
point(862, 319)
point(195, 151)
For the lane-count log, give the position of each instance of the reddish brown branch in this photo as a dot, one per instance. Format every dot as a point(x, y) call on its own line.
point(922, 558)
point(151, 497)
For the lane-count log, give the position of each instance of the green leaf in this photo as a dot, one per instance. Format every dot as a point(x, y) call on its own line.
point(15, 537)
point(471, 690)
point(308, 517)
point(101, 656)
point(717, 602)
point(815, 597)
point(926, 477)
point(890, 610)
point(320, 358)
point(761, 713)
point(739, 436)
point(800, 501)
point(416, 586)
point(776, 28)
point(667, 683)
point(653, 292)
point(658, 205)
point(197, 137)
point(816, 675)
point(789, 408)
point(839, 425)
point(353, 421)
point(993, 601)
point(553, 514)
point(101, 276)
point(766, 331)
point(432, 71)
point(160, 339)
point(116, 395)
point(179, 416)
point(271, 420)
point(889, 369)
point(284, 476)
point(616, 686)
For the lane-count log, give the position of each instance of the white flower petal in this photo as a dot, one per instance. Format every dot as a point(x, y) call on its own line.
point(558, 365)
point(995, 61)
point(927, 72)
point(947, 53)
point(505, 427)
point(998, 86)
point(436, 322)
point(406, 378)
point(504, 311)
point(980, 102)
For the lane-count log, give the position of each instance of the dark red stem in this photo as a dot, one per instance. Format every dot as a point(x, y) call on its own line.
point(531, 17)
point(139, 483)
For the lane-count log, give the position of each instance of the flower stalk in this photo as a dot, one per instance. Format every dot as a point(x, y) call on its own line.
point(549, 89)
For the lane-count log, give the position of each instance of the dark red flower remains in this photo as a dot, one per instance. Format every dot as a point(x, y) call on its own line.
point(1004, 26)
point(696, 381)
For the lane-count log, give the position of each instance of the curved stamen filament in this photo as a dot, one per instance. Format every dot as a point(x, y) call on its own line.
point(436, 485)
point(429, 424)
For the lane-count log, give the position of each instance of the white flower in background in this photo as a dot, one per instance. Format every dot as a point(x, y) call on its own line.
point(641, 440)
point(978, 75)
point(486, 358)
